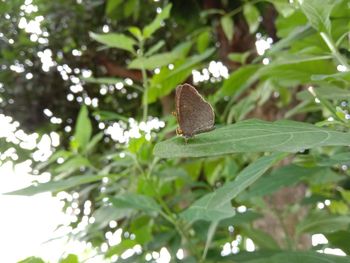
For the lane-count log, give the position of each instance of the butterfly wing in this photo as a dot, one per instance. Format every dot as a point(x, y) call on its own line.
point(194, 114)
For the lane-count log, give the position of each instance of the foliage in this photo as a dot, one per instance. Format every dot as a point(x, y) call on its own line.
point(282, 118)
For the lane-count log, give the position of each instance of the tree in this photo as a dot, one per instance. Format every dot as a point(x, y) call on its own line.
point(272, 173)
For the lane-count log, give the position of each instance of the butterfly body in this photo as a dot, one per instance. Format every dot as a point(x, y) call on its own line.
point(193, 113)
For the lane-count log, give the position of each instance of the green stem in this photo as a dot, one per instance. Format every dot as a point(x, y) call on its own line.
point(332, 47)
point(145, 84)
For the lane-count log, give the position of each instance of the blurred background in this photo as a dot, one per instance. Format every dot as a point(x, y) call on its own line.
point(87, 90)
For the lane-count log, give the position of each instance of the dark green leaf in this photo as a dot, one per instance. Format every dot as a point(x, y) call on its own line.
point(340, 239)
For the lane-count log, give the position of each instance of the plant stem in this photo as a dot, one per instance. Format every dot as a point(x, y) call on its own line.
point(145, 84)
point(339, 57)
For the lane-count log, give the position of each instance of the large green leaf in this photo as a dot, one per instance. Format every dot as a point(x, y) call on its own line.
point(83, 130)
point(56, 186)
point(217, 205)
point(253, 136)
point(157, 22)
point(115, 40)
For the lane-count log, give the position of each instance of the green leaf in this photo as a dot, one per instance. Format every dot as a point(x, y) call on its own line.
point(157, 22)
point(342, 76)
point(260, 238)
point(136, 201)
point(227, 26)
point(251, 14)
point(155, 48)
point(253, 136)
point(83, 130)
point(32, 260)
point(167, 80)
point(73, 164)
point(239, 80)
point(217, 205)
point(322, 222)
point(56, 186)
point(333, 93)
point(115, 40)
point(111, 6)
point(154, 61)
point(340, 239)
point(203, 41)
point(136, 32)
point(239, 57)
point(110, 81)
point(109, 115)
point(287, 256)
point(282, 177)
point(318, 12)
point(71, 258)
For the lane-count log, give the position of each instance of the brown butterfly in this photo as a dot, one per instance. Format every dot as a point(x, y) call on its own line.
point(193, 113)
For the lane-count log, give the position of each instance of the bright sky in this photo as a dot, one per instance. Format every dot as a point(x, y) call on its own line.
point(26, 222)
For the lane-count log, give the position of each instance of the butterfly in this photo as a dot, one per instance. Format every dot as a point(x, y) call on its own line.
point(193, 113)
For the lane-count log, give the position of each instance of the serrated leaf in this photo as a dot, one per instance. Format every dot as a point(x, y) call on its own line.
point(217, 205)
point(56, 186)
point(157, 22)
point(252, 15)
point(227, 26)
point(253, 136)
point(115, 40)
point(83, 130)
